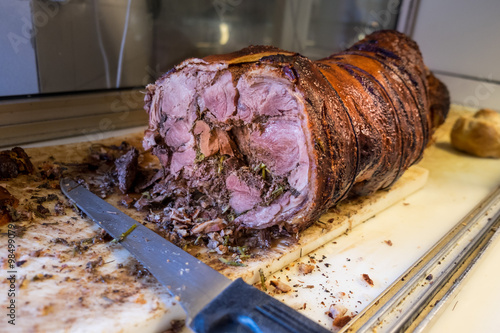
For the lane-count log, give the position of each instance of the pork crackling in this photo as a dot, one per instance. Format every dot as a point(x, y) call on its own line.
point(264, 137)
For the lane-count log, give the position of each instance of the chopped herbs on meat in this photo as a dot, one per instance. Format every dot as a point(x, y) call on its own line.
point(221, 164)
point(263, 169)
point(199, 157)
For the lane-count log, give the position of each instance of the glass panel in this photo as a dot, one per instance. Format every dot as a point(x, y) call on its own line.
point(89, 45)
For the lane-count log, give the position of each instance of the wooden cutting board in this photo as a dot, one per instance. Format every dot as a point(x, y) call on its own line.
point(70, 279)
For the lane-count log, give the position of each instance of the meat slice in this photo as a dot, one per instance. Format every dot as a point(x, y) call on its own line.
point(266, 137)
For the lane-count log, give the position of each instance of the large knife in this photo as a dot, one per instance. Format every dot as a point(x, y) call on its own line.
point(213, 303)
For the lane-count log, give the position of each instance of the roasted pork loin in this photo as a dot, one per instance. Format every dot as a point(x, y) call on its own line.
point(265, 137)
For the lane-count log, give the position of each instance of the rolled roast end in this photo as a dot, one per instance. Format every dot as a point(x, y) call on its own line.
point(236, 142)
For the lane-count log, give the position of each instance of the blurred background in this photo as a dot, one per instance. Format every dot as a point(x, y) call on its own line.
point(62, 46)
point(66, 64)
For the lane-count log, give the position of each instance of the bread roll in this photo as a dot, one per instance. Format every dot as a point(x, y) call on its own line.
point(479, 134)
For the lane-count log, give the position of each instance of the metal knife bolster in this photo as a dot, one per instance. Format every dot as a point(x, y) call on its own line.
point(243, 308)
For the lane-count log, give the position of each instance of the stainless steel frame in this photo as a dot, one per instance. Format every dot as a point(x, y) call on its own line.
point(416, 296)
point(44, 118)
point(407, 14)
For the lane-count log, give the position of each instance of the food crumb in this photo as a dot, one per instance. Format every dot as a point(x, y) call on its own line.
point(341, 321)
point(367, 279)
point(338, 314)
point(91, 266)
point(46, 309)
point(388, 242)
point(305, 268)
point(140, 299)
point(176, 326)
point(283, 287)
point(41, 277)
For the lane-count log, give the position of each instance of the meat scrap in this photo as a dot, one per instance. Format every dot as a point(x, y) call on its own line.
point(7, 202)
point(341, 321)
point(43, 211)
point(51, 170)
point(14, 162)
point(115, 167)
point(282, 287)
point(91, 266)
point(367, 279)
point(338, 314)
point(305, 268)
point(208, 226)
point(265, 138)
point(100, 152)
point(126, 169)
point(7, 199)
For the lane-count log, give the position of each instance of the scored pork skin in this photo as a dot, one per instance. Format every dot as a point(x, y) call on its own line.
point(265, 137)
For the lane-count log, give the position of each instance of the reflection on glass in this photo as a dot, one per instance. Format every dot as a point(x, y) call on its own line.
point(88, 45)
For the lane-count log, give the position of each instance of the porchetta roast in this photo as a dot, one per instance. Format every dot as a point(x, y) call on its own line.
point(264, 137)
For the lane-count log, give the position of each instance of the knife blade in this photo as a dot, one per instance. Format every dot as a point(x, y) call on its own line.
point(212, 302)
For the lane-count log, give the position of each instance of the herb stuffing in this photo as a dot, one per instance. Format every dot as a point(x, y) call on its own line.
point(231, 263)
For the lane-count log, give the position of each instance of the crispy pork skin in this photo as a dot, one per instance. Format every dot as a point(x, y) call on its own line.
point(264, 137)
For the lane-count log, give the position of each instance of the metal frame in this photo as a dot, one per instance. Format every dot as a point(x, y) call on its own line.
point(409, 303)
point(35, 119)
point(407, 14)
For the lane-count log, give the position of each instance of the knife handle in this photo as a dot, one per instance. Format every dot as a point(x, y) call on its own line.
point(243, 308)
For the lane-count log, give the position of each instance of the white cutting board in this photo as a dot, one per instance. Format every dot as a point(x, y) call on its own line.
point(58, 290)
